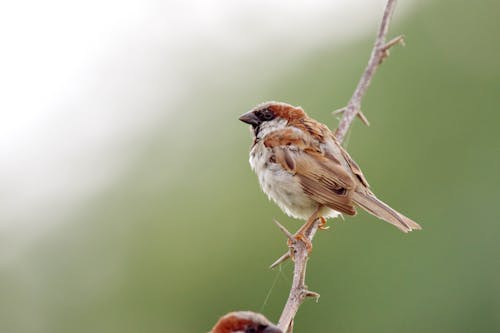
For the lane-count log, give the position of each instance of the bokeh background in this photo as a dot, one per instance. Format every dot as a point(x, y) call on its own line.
point(127, 203)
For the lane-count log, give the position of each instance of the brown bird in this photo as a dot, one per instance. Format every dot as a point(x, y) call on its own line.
point(244, 322)
point(302, 167)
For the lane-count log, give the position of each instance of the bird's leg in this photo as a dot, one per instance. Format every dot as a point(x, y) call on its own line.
point(315, 215)
point(301, 234)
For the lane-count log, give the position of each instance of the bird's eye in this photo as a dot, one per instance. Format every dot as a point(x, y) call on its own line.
point(265, 114)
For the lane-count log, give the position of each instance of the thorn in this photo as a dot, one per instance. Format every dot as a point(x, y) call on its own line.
point(363, 118)
point(396, 40)
point(385, 49)
point(339, 111)
point(280, 260)
point(359, 114)
point(313, 294)
point(285, 231)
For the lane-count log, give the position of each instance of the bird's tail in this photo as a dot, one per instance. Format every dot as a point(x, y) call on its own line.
point(370, 203)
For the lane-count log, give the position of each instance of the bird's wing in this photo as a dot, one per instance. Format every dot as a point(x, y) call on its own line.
point(354, 166)
point(321, 175)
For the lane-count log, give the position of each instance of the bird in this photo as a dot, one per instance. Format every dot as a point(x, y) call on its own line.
point(244, 322)
point(303, 168)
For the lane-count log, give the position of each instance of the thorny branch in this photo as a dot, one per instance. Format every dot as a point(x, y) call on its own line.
point(299, 291)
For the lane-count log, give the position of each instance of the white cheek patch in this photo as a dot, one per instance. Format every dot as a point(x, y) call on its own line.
point(271, 126)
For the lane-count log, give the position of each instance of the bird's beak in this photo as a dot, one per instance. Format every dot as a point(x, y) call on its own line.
point(250, 118)
point(272, 329)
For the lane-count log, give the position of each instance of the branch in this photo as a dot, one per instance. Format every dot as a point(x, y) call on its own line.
point(298, 248)
point(380, 51)
point(299, 291)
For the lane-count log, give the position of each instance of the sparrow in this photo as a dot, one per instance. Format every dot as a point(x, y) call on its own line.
point(303, 168)
point(244, 322)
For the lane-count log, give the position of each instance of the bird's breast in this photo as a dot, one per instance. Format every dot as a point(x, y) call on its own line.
point(280, 185)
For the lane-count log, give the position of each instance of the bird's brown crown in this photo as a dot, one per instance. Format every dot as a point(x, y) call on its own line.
point(282, 110)
point(244, 321)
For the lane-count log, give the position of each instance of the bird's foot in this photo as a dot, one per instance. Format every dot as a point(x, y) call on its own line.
point(322, 224)
point(299, 237)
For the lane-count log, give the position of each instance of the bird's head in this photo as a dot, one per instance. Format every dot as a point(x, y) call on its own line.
point(244, 322)
point(270, 116)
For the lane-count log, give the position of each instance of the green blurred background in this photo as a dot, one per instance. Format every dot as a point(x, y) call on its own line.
point(186, 235)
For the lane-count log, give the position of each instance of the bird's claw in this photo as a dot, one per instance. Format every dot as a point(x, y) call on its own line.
point(299, 237)
point(322, 224)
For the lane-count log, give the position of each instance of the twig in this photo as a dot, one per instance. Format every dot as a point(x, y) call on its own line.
point(299, 291)
point(380, 51)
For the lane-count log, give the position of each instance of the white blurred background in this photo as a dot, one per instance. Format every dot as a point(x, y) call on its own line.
point(80, 82)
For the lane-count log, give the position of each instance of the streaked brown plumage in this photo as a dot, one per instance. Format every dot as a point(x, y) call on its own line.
point(303, 168)
point(244, 322)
